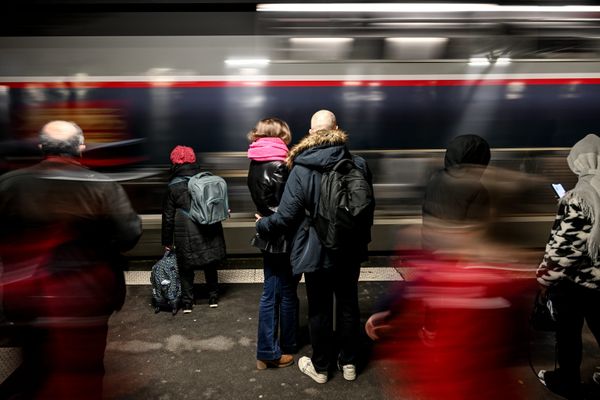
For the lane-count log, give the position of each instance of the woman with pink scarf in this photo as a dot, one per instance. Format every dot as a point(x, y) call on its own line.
point(278, 308)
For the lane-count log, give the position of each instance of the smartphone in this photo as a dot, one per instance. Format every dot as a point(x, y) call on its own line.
point(558, 189)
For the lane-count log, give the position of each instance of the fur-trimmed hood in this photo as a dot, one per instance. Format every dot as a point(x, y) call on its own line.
point(319, 149)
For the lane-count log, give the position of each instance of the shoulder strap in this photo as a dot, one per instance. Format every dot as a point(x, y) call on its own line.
point(343, 162)
point(203, 174)
point(179, 179)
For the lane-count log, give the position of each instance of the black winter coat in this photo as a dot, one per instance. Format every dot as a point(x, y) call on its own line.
point(195, 245)
point(455, 198)
point(314, 154)
point(62, 228)
point(266, 181)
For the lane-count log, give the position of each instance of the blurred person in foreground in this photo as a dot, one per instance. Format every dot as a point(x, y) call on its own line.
point(197, 246)
point(454, 327)
point(62, 229)
point(455, 200)
point(278, 308)
point(327, 272)
point(571, 268)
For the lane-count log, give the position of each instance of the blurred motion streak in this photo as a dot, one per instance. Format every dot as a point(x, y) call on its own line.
point(455, 330)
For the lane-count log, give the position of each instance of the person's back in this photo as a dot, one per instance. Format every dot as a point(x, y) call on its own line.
point(326, 271)
point(63, 227)
point(455, 201)
point(197, 246)
point(278, 306)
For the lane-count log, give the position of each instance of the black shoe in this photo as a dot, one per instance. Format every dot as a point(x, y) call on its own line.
point(213, 301)
point(187, 308)
point(552, 380)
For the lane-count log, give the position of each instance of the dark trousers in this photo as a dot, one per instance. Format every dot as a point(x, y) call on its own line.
point(64, 362)
point(321, 285)
point(186, 275)
point(574, 304)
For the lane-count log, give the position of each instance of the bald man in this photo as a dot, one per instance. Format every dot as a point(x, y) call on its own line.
point(62, 228)
point(327, 272)
point(61, 138)
point(322, 120)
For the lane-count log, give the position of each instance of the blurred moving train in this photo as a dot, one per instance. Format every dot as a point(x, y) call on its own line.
point(138, 97)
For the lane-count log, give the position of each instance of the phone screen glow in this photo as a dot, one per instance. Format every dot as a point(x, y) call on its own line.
point(558, 189)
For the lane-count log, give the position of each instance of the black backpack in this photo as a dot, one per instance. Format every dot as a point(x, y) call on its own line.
point(166, 286)
point(345, 211)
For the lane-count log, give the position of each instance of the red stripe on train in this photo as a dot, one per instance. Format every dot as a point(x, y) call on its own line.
point(300, 83)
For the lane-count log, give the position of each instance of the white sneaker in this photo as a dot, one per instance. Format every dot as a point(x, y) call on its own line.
point(542, 377)
point(349, 372)
point(306, 366)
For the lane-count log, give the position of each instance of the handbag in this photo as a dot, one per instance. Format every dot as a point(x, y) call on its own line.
point(543, 317)
point(278, 245)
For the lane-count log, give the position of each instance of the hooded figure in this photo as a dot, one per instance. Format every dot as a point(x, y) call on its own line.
point(455, 199)
point(571, 267)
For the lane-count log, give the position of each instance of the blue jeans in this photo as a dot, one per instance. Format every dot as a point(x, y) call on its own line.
point(278, 309)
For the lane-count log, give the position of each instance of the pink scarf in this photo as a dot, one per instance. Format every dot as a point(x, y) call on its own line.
point(268, 149)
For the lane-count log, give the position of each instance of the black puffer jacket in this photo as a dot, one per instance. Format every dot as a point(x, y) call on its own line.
point(314, 154)
point(195, 244)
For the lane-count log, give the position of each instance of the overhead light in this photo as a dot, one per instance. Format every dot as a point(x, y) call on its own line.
point(416, 40)
point(247, 62)
point(371, 7)
point(417, 8)
point(502, 61)
point(321, 40)
point(479, 61)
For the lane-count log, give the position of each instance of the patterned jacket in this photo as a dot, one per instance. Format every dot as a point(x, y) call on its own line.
point(566, 252)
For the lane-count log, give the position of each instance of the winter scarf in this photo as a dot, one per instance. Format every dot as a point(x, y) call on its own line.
point(268, 149)
point(584, 161)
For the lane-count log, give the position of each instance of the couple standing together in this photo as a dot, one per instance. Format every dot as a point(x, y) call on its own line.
point(285, 187)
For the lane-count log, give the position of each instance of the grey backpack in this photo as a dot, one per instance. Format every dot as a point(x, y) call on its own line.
point(209, 203)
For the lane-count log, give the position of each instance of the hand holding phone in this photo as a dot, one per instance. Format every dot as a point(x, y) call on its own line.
point(558, 189)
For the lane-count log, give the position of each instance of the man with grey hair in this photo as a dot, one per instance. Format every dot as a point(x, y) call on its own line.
point(62, 138)
point(326, 271)
point(62, 228)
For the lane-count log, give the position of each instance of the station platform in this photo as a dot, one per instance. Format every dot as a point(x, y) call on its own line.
point(210, 353)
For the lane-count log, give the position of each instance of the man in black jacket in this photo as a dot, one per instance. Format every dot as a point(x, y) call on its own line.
point(326, 272)
point(61, 231)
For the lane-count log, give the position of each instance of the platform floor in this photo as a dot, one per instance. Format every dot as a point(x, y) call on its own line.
point(210, 354)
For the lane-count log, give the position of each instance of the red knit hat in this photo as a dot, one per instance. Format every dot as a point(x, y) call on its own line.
point(182, 155)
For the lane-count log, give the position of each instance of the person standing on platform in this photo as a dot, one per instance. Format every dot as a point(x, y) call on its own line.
point(571, 268)
point(278, 308)
point(326, 271)
point(62, 228)
point(196, 246)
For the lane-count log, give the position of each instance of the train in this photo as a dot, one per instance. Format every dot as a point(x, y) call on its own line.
point(136, 97)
